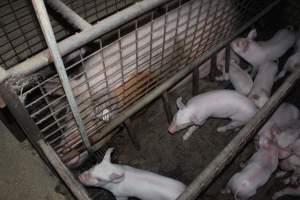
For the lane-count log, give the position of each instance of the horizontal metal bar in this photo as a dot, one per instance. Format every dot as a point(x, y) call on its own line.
point(68, 14)
point(44, 21)
point(181, 74)
point(76, 188)
point(239, 141)
point(77, 40)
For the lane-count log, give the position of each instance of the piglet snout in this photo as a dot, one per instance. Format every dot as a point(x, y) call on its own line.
point(172, 129)
point(84, 177)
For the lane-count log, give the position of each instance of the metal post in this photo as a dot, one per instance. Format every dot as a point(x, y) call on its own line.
point(76, 188)
point(213, 67)
point(77, 40)
point(73, 18)
point(23, 118)
point(227, 58)
point(129, 127)
point(239, 141)
point(44, 21)
point(195, 81)
point(167, 106)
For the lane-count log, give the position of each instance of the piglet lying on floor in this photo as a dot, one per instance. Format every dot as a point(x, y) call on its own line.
point(219, 104)
point(257, 172)
point(125, 181)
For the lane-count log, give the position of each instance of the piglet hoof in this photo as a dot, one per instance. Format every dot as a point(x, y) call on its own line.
point(221, 129)
point(280, 174)
point(276, 195)
point(287, 181)
point(185, 137)
point(225, 191)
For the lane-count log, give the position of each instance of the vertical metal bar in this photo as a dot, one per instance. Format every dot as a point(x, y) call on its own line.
point(227, 58)
point(23, 118)
point(129, 127)
point(167, 107)
point(213, 67)
point(195, 81)
point(44, 21)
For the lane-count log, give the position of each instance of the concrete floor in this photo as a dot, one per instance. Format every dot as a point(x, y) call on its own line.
point(23, 175)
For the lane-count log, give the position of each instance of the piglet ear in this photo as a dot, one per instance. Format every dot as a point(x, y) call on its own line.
point(116, 177)
point(252, 34)
point(108, 154)
point(179, 103)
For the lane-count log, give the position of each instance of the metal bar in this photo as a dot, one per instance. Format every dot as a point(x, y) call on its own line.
point(130, 130)
point(68, 14)
point(44, 21)
point(76, 188)
point(180, 75)
point(213, 67)
point(195, 81)
point(227, 59)
point(22, 117)
point(239, 141)
point(9, 121)
point(77, 40)
point(167, 106)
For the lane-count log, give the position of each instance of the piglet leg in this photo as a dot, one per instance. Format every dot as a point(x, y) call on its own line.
point(231, 125)
point(287, 191)
point(121, 198)
point(191, 130)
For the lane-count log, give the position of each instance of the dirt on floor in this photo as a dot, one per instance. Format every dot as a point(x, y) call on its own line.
point(23, 175)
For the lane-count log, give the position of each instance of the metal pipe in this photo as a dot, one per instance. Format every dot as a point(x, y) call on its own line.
point(239, 141)
point(67, 13)
point(44, 21)
point(76, 188)
point(181, 74)
point(77, 40)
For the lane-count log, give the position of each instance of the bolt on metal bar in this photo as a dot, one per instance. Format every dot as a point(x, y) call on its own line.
point(77, 40)
point(67, 13)
point(181, 74)
point(44, 21)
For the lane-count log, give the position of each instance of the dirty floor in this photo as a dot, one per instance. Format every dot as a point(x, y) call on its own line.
point(23, 175)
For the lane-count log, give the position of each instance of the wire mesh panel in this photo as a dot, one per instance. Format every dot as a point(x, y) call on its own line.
point(20, 34)
point(116, 70)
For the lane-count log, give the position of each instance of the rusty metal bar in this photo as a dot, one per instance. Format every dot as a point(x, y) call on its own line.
point(167, 106)
point(239, 141)
point(179, 76)
point(195, 81)
point(44, 21)
point(130, 130)
point(77, 40)
point(76, 188)
point(68, 14)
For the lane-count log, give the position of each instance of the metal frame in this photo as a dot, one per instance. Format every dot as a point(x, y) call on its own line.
point(44, 21)
point(75, 41)
point(38, 61)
